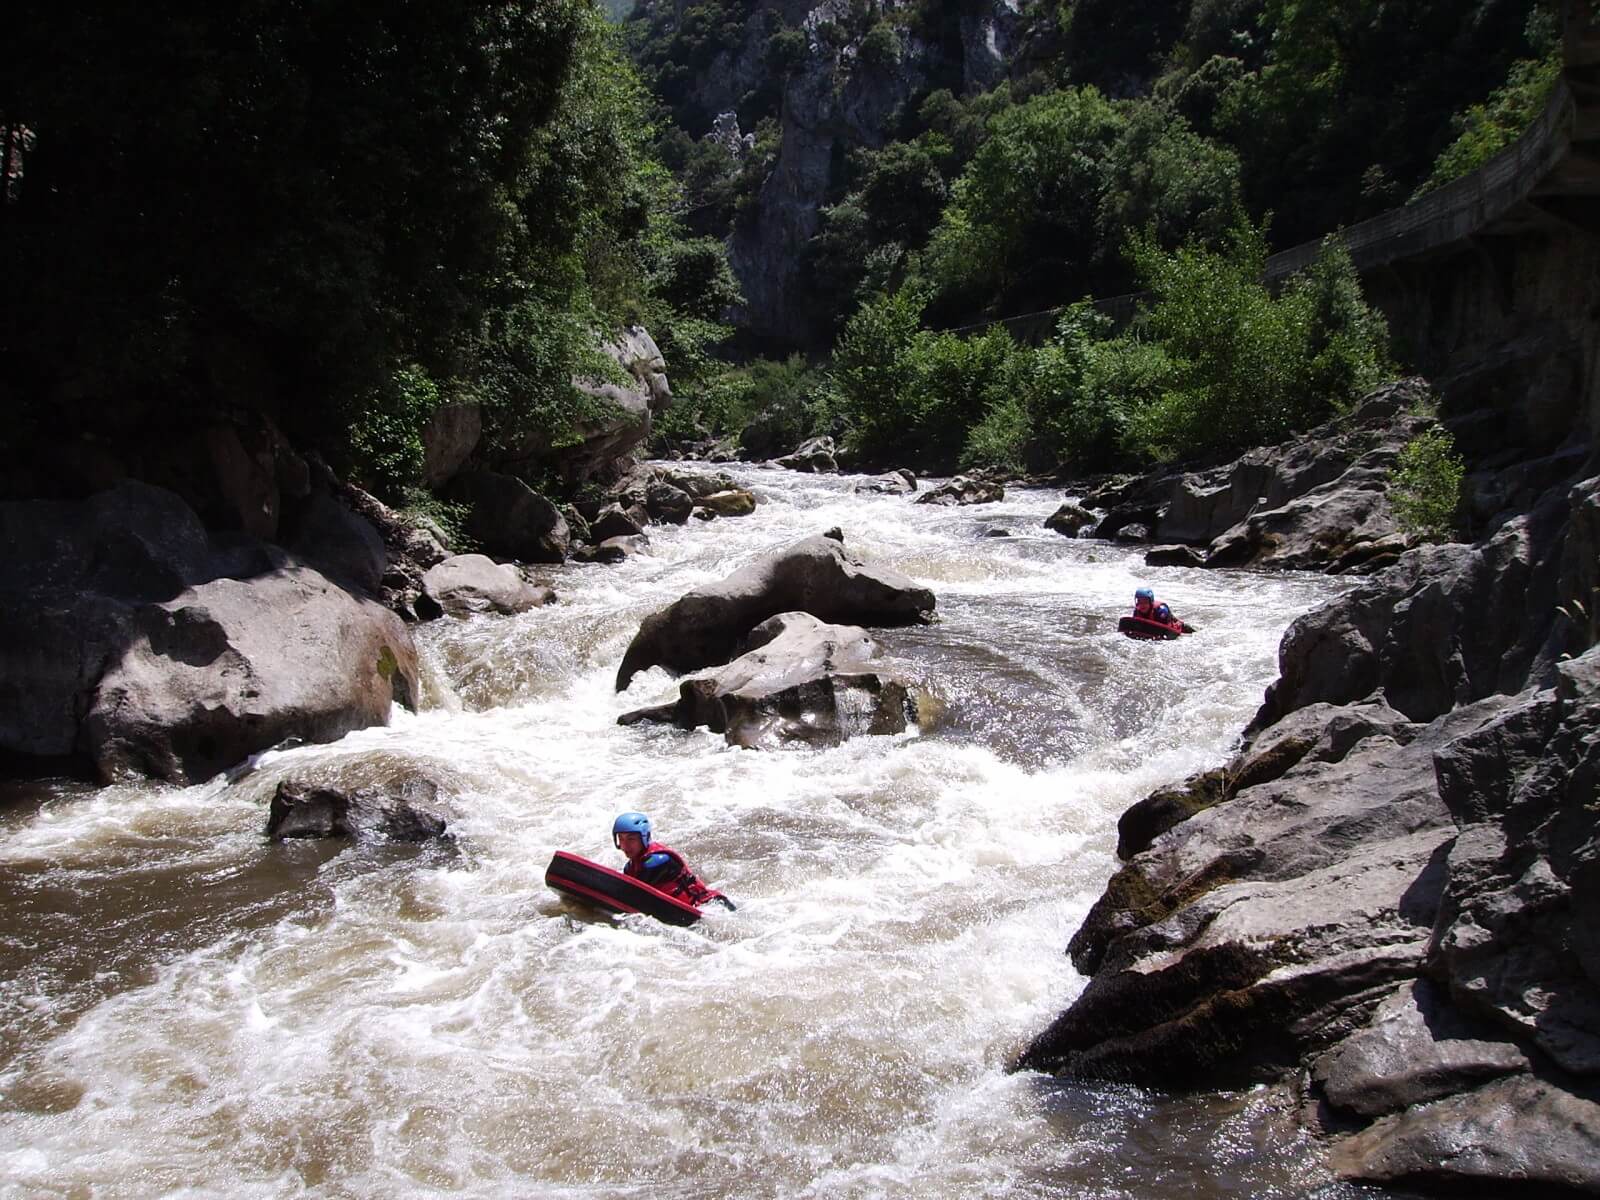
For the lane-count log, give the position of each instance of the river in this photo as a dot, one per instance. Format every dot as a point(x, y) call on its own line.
point(187, 1009)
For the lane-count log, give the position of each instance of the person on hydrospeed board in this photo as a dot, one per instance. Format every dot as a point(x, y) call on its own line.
point(660, 866)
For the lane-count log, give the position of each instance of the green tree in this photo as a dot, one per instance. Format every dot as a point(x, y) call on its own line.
point(1164, 179)
point(1022, 217)
point(310, 195)
point(871, 368)
point(1244, 368)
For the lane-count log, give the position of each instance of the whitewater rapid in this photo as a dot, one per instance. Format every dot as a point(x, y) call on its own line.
point(187, 1009)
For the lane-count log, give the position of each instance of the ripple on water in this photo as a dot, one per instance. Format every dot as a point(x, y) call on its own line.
point(185, 1006)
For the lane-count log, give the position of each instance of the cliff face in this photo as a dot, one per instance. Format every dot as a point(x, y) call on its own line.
point(844, 91)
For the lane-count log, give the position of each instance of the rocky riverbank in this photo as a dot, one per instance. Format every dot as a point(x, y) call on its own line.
point(1388, 899)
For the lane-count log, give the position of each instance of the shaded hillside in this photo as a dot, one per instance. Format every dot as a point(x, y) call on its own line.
point(864, 112)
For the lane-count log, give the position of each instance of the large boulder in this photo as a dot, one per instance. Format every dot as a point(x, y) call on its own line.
point(76, 572)
point(136, 643)
point(735, 502)
point(1199, 507)
point(1417, 1048)
point(1391, 893)
point(449, 437)
point(895, 483)
point(510, 519)
point(1518, 934)
point(1070, 519)
point(802, 681)
point(668, 503)
point(1447, 625)
point(468, 584)
point(411, 544)
point(706, 626)
point(1519, 1136)
point(1257, 930)
point(1341, 526)
point(342, 544)
point(613, 423)
point(230, 667)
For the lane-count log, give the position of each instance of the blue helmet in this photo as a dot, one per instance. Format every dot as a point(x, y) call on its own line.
point(1144, 594)
point(1163, 613)
point(630, 822)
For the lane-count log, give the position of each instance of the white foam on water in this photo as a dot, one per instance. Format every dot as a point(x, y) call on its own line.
point(447, 1025)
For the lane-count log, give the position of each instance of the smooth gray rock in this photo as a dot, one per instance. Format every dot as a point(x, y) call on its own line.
point(801, 681)
point(1507, 1138)
point(232, 667)
point(1417, 1048)
point(706, 626)
point(468, 584)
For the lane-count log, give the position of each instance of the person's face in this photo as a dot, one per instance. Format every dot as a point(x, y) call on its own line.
point(630, 844)
point(1143, 604)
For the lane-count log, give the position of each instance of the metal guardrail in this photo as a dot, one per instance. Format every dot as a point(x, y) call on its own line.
point(1460, 207)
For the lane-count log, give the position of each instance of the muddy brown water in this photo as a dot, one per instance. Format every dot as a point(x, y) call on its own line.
point(186, 1009)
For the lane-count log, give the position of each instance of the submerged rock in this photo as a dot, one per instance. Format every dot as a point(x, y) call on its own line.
point(397, 814)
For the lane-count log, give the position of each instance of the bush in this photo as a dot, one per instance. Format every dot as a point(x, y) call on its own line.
point(880, 49)
point(1483, 130)
point(870, 368)
point(1001, 439)
point(786, 50)
point(1244, 369)
point(1425, 486)
point(386, 431)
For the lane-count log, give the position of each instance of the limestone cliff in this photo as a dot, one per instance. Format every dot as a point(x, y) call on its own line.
point(844, 89)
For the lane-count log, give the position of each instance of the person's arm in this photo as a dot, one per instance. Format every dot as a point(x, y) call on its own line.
point(656, 869)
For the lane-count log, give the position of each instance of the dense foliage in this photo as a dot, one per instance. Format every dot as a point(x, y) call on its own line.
point(1215, 363)
point(1167, 147)
point(346, 216)
point(1425, 486)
